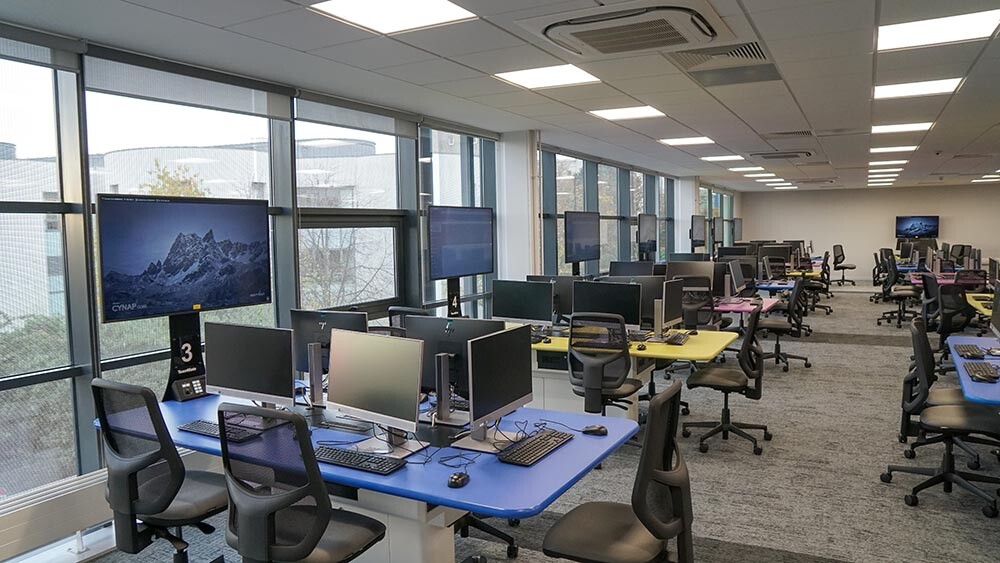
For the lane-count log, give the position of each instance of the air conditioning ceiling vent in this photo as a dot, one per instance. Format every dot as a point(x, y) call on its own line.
point(720, 57)
point(782, 155)
point(787, 135)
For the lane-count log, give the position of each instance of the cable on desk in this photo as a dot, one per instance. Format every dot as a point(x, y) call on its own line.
point(557, 422)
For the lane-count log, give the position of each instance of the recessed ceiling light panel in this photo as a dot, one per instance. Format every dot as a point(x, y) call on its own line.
point(722, 158)
point(876, 150)
point(621, 114)
point(937, 31)
point(911, 89)
point(760, 175)
point(873, 176)
point(746, 168)
point(548, 77)
point(683, 141)
point(986, 180)
point(887, 162)
point(786, 187)
point(901, 127)
point(883, 170)
point(392, 16)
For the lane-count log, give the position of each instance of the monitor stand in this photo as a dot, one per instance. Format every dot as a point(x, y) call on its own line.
point(482, 439)
point(454, 297)
point(393, 443)
point(254, 422)
point(442, 413)
point(576, 268)
point(186, 360)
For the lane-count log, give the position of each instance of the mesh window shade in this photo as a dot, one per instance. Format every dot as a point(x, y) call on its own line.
point(354, 119)
point(39, 48)
point(114, 77)
point(10, 49)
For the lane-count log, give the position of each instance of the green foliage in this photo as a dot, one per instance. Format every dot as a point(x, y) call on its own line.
point(179, 182)
point(32, 343)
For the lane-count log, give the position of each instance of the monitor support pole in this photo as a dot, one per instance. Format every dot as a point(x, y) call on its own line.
point(576, 268)
point(186, 360)
point(442, 385)
point(454, 297)
point(316, 397)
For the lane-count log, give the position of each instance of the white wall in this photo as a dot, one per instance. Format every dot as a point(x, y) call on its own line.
point(686, 201)
point(518, 206)
point(864, 220)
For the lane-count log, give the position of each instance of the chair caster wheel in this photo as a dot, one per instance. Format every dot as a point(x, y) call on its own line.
point(757, 450)
point(511, 552)
point(990, 511)
point(973, 464)
point(885, 477)
point(703, 447)
point(686, 433)
point(686, 411)
point(879, 323)
point(909, 454)
point(808, 365)
point(722, 360)
point(784, 368)
point(513, 522)
point(911, 500)
point(768, 436)
point(902, 439)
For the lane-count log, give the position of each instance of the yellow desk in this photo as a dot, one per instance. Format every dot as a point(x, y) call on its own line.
point(701, 347)
point(980, 306)
point(808, 273)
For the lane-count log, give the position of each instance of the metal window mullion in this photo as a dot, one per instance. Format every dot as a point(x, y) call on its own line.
point(467, 178)
point(550, 227)
point(285, 226)
point(670, 191)
point(409, 279)
point(626, 213)
point(591, 202)
point(488, 174)
point(649, 194)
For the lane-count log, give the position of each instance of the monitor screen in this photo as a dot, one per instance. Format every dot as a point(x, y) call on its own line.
point(523, 301)
point(583, 236)
point(646, 233)
point(623, 299)
point(499, 373)
point(689, 257)
point(994, 271)
point(652, 289)
point(737, 229)
point(783, 251)
point(718, 229)
point(917, 226)
point(562, 293)
point(459, 241)
point(719, 272)
point(168, 255)
point(704, 269)
point(376, 377)
point(733, 251)
point(739, 283)
point(673, 302)
point(631, 269)
point(450, 336)
point(250, 362)
point(698, 228)
point(314, 327)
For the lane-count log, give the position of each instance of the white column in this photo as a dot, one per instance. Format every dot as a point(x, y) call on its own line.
point(519, 203)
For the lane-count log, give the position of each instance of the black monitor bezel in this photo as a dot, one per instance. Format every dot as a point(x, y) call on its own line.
point(493, 241)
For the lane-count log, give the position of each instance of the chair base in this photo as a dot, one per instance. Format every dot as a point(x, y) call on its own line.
point(899, 316)
point(783, 359)
point(946, 475)
point(725, 427)
point(961, 443)
point(472, 521)
point(843, 279)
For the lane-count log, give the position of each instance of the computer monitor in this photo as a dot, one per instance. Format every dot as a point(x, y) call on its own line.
point(737, 228)
point(673, 303)
point(499, 383)
point(623, 299)
point(705, 269)
point(652, 289)
point(688, 257)
point(719, 272)
point(993, 270)
point(459, 241)
point(799, 245)
point(995, 319)
point(310, 327)
point(697, 229)
point(523, 301)
point(169, 255)
point(583, 236)
point(631, 269)
point(780, 250)
point(250, 362)
point(646, 233)
point(718, 230)
point(733, 251)
point(917, 226)
point(906, 250)
point(739, 283)
point(562, 293)
point(377, 378)
point(449, 336)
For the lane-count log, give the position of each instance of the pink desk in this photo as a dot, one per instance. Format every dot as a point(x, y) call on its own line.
point(916, 278)
point(745, 307)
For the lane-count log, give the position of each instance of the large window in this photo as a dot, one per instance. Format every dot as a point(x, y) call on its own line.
point(570, 196)
point(345, 168)
point(346, 266)
point(607, 204)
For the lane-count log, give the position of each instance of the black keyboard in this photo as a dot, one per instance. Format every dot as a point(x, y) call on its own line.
point(984, 372)
point(641, 336)
point(982, 298)
point(234, 434)
point(459, 404)
point(372, 463)
point(346, 426)
point(969, 351)
point(537, 338)
point(677, 338)
point(528, 451)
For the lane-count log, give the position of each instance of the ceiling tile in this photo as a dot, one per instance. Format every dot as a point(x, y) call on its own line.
point(659, 128)
point(630, 67)
point(834, 66)
point(219, 13)
point(544, 109)
point(428, 72)
point(301, 30)
point(610, 102)
point(582, 92)
point(813, 19)
point(822, 46)
point(913, 65)
point(376, 52)
point(492, 7)
point(899, 11)
point(653, 84)
point(908, 110)
point(510, 99)
point(469, 87)
point(511, 58)
point(460, 38)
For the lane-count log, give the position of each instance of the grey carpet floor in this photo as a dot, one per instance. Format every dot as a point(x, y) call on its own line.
point(814, 496)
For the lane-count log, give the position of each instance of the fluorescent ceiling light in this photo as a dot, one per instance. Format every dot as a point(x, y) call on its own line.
point(760, 175)
point(722, 158)
point(991, 175)
point(876, 150)
point(786, 187)
point(886, 162)
point(936, 31)
point(752, 169)
point(682, 141)
point(878, 185)
point(780, 184)
point(873, 176)
point(548, 77)
point(901, 127)
point(621, 114)
point(910, 89)
point(391, 16)
point(880, 171)
point(986, 180)
point(770, 180)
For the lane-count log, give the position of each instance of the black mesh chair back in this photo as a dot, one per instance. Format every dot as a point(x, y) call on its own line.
point(917, 385)
point(278, 503)
point(974, 281)
point(930, 298)
point(797, 306)
point(598, 356)
point(838, 255)
point(948, 266)
point(824, 272)
point(145, 472)
point(751, 356)
point(955, 312)
point(892, 275)
point(661, 495)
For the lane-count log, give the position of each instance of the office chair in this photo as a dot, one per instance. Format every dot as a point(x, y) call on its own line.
point(894, 290)
point(947, 422)
point(816, 287)
point(750, 275)
point(699, 305)
point(727, 380)
point(955, 315)
point(281, 508)
point(878, 276)
point(945, 250)
point(148, 489)
point(841, 266)
point(609, 532)
point(906, 252)
point(599, 362)
point(775, 267)
point(791, 325)
point(930, 300)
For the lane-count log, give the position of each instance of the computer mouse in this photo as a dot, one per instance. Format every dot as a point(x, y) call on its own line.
point(546, 340)
point(692, 333)
point(458, 480)
point(640, 347)
point(595, 430)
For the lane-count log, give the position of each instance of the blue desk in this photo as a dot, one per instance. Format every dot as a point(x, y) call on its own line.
point(773, 287)
point(415, 502)
point(975, 391)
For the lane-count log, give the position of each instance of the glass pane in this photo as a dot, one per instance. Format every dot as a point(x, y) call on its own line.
point(28, 167)
point(345, 168)
point(144, 147)
point(638, 192)
point(569, 185)
point(564, 268)
point(38, 425)
point(661, 243)
point(607, 190)
point(609, 243)
point(153, 375)
point(703, 195)
point(346, 266)
point(716, 204)
point(33, 331)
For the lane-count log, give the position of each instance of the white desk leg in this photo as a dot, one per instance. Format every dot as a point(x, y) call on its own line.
point(414, 533)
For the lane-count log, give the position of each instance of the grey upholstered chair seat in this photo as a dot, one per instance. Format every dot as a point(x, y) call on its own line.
point(903, 292)
point(602, 532)
point(348, 535)
point(961, 419)
point(844, 267)
point(775, 325)
point(201, 495)
point(722, 379)
point(941, 397)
